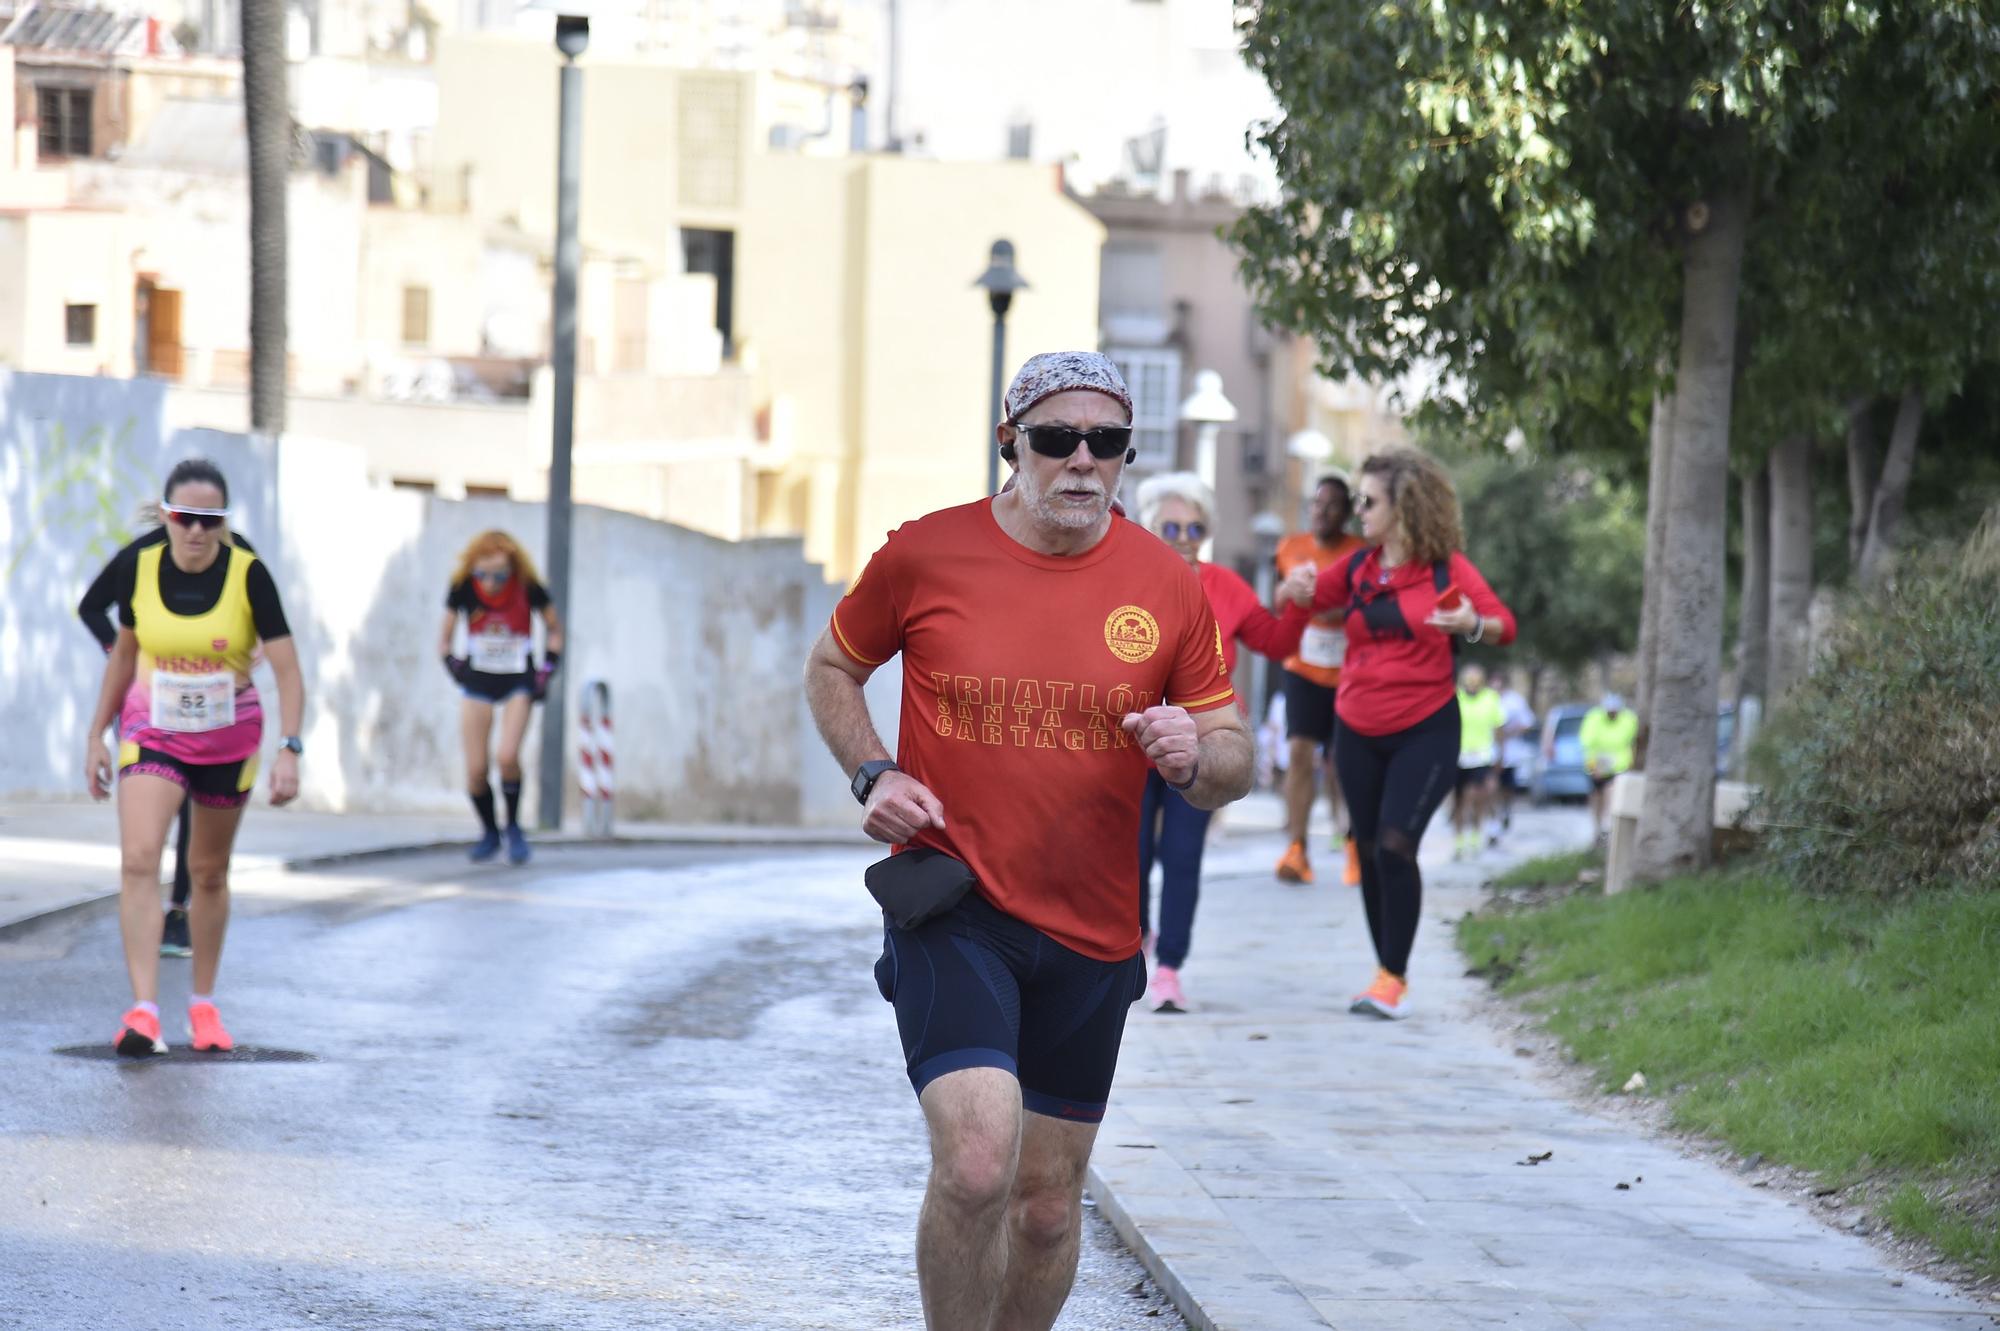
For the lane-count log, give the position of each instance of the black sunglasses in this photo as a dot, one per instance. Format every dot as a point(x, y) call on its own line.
point(1059, 441)
point(1363, 504)
point(1174, 531)
point(492, 577)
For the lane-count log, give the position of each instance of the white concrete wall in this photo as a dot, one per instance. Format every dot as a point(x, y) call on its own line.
point(701, 640)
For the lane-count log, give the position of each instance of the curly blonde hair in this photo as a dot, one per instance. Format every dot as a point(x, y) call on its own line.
point(494, 543)
point(1425, 501)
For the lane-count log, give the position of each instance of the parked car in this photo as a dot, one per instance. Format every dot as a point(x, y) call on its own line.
point(1559, 772)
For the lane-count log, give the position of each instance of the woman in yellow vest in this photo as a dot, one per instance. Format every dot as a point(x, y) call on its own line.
point(192, 613)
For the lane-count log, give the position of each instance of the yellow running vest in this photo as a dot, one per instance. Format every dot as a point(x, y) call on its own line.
point(223, 637)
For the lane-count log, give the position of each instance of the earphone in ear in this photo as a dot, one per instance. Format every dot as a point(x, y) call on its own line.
point(1007, 452)
point(1130, 455)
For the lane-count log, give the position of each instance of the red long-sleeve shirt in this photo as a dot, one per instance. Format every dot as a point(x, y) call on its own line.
point(1239, 614)
point(1399, 670)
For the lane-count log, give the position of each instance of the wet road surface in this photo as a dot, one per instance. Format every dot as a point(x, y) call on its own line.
point(637, 1087)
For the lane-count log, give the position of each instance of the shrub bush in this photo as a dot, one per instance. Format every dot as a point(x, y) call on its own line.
point(1881, 772)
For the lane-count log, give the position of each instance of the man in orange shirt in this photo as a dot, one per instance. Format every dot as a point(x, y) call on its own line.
point(1053, 654)
point(1311, 676)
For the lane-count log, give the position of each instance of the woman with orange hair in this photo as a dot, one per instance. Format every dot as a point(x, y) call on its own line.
point(497, 590)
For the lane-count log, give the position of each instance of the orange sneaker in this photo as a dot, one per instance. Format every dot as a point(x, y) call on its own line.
point(1351, 876)
point(1387, 998)
point(1294, 868)
point(139, 1035)
point(205, 1026)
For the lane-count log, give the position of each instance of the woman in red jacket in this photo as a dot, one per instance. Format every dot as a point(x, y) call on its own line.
point(1177, 508)
point(1407, 596)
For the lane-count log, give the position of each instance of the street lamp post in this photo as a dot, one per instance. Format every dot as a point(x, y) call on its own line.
point(1208, 411)
point(1000, 281)
point(572, 36)
point(1267, 529)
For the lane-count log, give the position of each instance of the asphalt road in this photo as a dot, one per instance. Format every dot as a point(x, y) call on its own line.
point(620, 1088)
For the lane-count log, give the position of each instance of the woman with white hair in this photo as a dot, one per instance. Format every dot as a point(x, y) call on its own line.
point(1179, 508)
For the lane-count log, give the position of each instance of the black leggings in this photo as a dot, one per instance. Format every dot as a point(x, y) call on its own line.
point(1393, 784)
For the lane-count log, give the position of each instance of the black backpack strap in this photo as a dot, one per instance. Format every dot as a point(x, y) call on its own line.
point(1354, 563)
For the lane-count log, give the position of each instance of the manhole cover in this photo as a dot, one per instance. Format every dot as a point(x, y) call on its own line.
point(242, 1053)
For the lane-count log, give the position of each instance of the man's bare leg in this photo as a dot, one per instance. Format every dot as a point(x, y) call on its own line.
point(1044, 1222)
point(1300, 778)
point(975, 1123)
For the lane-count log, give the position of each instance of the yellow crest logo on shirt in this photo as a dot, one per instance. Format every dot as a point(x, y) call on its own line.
point(1131, 634)
point(1221, 660)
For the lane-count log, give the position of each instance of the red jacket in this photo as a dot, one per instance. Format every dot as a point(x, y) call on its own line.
point(1398, 669)
point(1239, 614)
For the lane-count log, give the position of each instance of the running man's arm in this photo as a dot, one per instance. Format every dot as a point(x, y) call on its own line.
point(900, 806)
point(1214, 745)
point(839, 707)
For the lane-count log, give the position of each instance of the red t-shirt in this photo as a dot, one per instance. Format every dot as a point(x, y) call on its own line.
point(1399, 670)
point(1239, 614)
point(1017, 668)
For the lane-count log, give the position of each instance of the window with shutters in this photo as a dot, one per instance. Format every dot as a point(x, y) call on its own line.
point(64, 114)
point(1154, 376)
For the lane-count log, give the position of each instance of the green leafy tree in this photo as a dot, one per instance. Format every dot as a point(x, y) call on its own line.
point(1545, 210)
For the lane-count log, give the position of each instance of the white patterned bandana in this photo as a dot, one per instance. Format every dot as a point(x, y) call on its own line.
point(1055, 372)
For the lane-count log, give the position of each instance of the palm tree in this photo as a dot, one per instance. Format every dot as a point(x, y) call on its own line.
point(267, 119)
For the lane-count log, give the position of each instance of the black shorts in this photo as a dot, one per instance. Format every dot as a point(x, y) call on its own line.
point(211, 785)
point(1308, 710)
point(1469, 777)
point(1511, 778)
point(977, 988)
point(1600, 782)
point(481, 687)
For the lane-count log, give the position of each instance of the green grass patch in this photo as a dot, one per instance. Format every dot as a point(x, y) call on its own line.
point(1856, 1038)
point(1557, 870)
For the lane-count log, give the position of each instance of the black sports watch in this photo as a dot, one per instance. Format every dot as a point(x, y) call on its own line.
point(866, 775)
point(293, 744)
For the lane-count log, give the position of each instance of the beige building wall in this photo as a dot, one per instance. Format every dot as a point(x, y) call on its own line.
point(53, 259)
point(661, 148)
point(857, 307)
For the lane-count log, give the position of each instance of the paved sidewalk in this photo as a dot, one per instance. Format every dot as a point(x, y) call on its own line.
point(1280, 1164)
point(59, 855)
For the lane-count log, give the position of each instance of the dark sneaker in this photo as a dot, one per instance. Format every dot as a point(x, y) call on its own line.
point(517, 845)
point(174, 934)
point(486, 847)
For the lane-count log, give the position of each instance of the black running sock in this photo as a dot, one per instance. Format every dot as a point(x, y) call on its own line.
point(482, 801)
point(512, 790)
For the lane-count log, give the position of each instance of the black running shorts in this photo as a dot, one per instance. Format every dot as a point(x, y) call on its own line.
point(977, 988)
point(1308, 710)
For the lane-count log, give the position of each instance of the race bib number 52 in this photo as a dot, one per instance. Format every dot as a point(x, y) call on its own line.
point(193, 703)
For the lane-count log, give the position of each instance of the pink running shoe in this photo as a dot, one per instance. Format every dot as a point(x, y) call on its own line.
point(205, 1025)
point(139, 1035)
point(1164, 993)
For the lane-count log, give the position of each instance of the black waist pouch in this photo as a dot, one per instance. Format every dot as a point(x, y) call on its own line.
point(917, 885)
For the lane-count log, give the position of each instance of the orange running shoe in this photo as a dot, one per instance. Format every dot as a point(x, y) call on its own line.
point(1352, 875)
point(205, 1026)
point(1387, 998)
point(1294, 868)
point(139, 1035)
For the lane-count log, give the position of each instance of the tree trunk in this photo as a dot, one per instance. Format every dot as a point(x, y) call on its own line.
point(1791, 563)
point(1753, 624)
point(1659, 493)
point(1676, 825)
point(1885, 519)
point(1862, 460)
point(267, 120)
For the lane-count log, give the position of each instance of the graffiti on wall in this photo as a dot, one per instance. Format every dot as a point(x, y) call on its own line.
point(80, 485)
